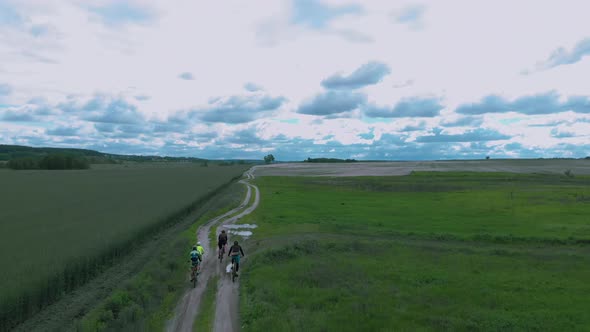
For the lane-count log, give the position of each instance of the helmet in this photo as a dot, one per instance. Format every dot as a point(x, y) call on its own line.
point(194, 247)
point(223, 231)
point(199, 243)
point(235, 242)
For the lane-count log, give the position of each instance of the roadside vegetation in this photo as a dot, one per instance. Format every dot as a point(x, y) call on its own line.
point(428, 251)
point(146, 301)
point(54, 161)
point(73, 225)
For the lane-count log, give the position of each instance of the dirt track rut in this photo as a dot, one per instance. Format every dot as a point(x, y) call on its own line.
point(226, 310)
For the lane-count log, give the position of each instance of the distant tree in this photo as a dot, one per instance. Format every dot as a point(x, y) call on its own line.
point(487, 157)
point(23, 163)
point(269, 158)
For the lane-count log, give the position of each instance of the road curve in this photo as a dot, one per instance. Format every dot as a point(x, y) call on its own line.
point(188, 307)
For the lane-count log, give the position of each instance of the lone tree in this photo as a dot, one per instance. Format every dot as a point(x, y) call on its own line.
point(269, 158)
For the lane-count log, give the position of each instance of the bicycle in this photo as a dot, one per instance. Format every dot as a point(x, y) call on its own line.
point(194, 274)
point(221, 253)
point(234, 273)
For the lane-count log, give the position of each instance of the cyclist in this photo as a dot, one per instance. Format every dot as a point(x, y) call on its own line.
point(221, 240)
point(196, 258)
point(200, 249)
point(234, 252)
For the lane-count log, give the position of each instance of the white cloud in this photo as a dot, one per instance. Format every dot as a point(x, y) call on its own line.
point(462, 52)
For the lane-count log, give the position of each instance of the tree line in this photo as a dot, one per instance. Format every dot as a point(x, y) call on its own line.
point(52, 161)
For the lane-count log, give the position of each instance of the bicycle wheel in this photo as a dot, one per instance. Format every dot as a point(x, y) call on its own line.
point(233, 271)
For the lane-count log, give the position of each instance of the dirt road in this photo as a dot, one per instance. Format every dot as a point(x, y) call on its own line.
point(226, 311)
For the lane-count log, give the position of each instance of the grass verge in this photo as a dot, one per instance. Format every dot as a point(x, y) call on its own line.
point(206, 315)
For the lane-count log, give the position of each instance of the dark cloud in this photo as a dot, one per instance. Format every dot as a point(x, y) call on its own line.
point(11, 116)
point(17, 115)
point(369, 135)
point(117, 115)
point(238, 109)
point(557, 133)
point(368, 74)
point(415, 127)
point(105, 109)
point(171, 127)
point(578, 104)
point(105, 127)
point(186, 76)
point(332, 102)
point(63, 131)
point(544, 103)
point(245, 137)
point(407, 107)
point(476, 135)
point(561, 56)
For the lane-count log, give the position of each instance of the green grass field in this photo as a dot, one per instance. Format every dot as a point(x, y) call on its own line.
point(58, 228)
point(428, 251)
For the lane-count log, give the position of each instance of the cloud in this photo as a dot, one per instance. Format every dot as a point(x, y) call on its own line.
point(414, 127)
point(332, 102)
point(101, 108)
point(353, 36)
point(17, 116)
point(122, 12)
point(488, 104)
point(578, 104)
point(63, 131)
point(106, 110)
point(186, 76)
point(476, 135)
point(252, 87)
point(407, 107)
point(238, 109)
point(561, 56)
point(367, 74)
point(245, 137)
point(403, 84)
point(41, 30)
point(5, 89)
point(557, 133)
point(105, 127)
point(410, 15)
point(316, 15)
point(465, 121)
point(9, 15)
point(142, 97)
point(544, 103)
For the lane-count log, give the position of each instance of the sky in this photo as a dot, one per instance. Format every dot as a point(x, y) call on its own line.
point(369, 80)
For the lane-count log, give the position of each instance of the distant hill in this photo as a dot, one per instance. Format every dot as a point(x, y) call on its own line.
point(8, 152)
